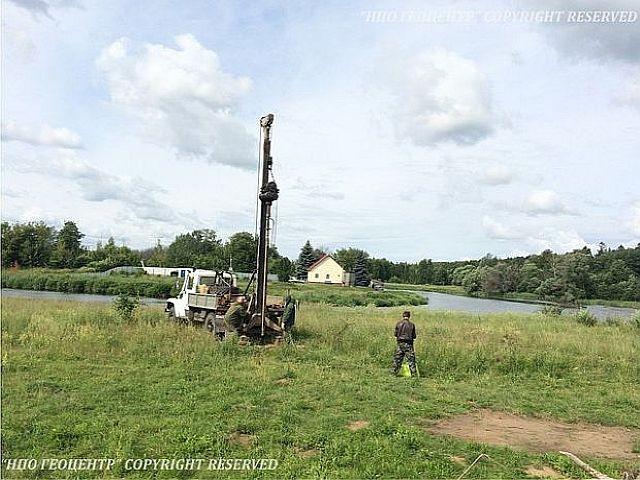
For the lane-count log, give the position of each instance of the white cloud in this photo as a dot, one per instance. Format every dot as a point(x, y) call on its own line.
point(45, 136)
point(136, 194)
point(559, 241)
point(444, 97)
point(631, 94)
point(497, 230)
point(545, 202)
point(182, 96)
point(496, 175)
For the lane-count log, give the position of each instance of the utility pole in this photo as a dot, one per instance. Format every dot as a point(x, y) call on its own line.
point(268, 194)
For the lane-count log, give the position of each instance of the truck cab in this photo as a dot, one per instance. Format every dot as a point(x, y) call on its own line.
point(204, 295)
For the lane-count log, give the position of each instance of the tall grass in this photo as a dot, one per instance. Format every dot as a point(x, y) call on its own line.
point(81, 381)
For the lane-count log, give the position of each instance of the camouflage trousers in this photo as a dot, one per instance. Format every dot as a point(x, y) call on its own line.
point(404, 349)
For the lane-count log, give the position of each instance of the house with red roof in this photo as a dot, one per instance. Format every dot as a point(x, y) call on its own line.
point(327, 270)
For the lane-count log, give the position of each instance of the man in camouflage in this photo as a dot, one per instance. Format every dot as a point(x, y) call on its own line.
point(405, 335)
point(236, 317)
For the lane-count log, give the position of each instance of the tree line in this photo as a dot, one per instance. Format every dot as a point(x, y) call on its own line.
point(35, 244)
point(608, 274)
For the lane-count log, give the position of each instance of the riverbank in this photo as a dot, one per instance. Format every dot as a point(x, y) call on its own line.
point(165, 287)
point(520, 297)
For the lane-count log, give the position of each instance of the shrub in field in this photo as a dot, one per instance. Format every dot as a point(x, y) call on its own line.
point(551, 310)
point(125, 306)
point(585, 318)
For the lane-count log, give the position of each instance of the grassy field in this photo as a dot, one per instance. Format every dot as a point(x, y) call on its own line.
point(78, 382)
point(451, 289)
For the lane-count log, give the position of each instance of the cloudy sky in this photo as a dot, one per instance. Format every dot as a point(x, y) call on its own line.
point(409, 139)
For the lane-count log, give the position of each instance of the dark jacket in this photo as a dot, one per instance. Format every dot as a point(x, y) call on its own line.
point(235, 316)
point(405, 331)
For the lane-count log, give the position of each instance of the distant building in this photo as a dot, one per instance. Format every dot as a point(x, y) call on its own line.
point(179, 272)
point(327, 270)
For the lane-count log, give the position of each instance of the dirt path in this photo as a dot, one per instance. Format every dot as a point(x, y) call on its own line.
point(536, 435)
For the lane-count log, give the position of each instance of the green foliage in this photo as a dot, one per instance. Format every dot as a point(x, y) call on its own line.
point(283, 268)
point(360, 271)
point(61, 281)
point(242, 248)
point(583, 317)
point(306, 258)
point(551, 310)
point(346, 296)
point(27, 244)
point(76, 384)
point(200, 248)
point(68, 247)
point(125, 306)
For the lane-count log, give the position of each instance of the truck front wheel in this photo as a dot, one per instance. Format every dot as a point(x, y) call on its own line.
point(171, 313)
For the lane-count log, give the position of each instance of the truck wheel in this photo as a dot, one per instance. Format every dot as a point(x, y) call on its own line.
point(171, 314)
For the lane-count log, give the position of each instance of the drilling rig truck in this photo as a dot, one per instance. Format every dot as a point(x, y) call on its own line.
point(206, 295)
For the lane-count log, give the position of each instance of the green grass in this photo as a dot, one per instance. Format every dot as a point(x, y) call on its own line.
point(450, 289)
point(78, 382)
point(612, 303)
point(345, 296)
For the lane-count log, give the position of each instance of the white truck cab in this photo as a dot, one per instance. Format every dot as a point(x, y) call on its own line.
point(202, 297)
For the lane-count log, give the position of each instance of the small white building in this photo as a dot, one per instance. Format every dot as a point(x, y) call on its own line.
point(180, 272)
point(327, 270)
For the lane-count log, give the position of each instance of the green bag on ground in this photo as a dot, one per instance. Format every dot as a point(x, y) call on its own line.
point(404, 370)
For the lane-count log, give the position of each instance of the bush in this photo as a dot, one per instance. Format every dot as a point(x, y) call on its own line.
point(64, 281)
point(585, 318)
point(551, 310)
point(125, 306)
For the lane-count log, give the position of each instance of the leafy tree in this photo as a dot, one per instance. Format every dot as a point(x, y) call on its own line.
point(200, 249)
point(27, 244)
point(347, 257)
point(68, 246)
point(111, 255)
point(156, 256)
point(241, 249)
point(284, 268)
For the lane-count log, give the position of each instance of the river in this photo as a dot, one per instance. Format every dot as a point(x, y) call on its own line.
point(458, 303)
point(74, 297)
point(437, 301)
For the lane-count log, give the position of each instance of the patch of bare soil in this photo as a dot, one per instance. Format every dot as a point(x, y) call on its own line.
point(458, 460)
point(357, 425)
point(241, 439)
point(543, 472)
point(536, 435)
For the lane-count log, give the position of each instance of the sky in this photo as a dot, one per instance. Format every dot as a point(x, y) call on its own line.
point(405, 137)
